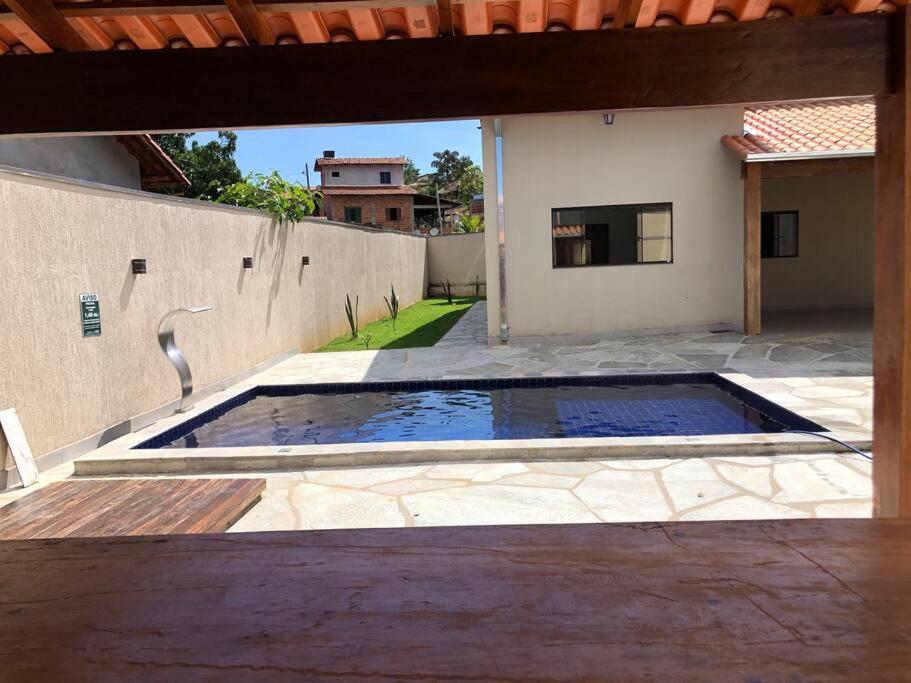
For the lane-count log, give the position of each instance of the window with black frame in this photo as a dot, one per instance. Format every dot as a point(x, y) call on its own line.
point(779, 234)
point(617, 235)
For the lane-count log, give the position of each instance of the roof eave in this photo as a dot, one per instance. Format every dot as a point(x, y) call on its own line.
point(756, 157)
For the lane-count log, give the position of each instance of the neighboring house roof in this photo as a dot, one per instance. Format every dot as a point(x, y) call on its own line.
point(331, 190)
point(432, 200)
point(359, 161)
point(568, 231)
point(830, 128)
point(156, 168)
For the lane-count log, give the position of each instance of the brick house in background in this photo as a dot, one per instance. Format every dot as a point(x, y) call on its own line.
point(366, 190)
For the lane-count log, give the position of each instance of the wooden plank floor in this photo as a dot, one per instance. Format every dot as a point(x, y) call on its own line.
point(798, 600)
point(129, 507)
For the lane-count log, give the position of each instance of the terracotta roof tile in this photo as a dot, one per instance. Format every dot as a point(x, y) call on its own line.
point(830, 125)
point(331, 190)
point(358, 161)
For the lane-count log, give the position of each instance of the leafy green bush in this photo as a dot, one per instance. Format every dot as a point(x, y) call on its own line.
point(469, 223)
point(280, 198)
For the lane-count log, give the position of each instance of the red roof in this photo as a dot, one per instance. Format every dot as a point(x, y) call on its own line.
point(331, 190)
point(156, 168)
point(841, 127)
point(359, 161)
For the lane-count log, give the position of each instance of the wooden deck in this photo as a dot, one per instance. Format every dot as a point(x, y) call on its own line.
point(799, 600)
point(129, 507)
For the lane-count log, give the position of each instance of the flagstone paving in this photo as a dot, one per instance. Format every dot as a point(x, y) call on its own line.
point(566, 492)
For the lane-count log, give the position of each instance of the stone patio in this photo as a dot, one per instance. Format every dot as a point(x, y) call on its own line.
point(566, 492)
point(823, 375)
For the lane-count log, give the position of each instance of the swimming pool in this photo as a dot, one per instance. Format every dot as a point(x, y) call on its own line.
point(485, 409)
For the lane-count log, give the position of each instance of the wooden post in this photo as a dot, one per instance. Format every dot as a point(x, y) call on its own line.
point(892, 290)
point(752, 264)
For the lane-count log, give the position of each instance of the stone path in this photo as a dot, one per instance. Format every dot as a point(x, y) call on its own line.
point(470, 330)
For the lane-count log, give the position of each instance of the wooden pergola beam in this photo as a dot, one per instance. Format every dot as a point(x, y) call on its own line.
point(46, 21)
point(892, 289)
point(251, 24)
point(812, 167)
point(497, 75)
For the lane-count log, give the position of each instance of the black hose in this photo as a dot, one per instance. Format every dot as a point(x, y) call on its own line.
point(831, 438)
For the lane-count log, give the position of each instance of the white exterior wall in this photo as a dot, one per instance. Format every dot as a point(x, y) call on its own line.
point(358, 174)
point(834, 266)
point(98, 159)
point(458, 258)
point(645, 157)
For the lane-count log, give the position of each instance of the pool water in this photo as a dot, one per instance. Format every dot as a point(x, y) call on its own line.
point(546, 408)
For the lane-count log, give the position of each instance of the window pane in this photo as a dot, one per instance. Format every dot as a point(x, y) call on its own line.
point(787, 234)
point(779, 234)
point(612, 235)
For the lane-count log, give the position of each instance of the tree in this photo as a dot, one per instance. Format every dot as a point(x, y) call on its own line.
point(471, 182)
point(280, 198)
point(210, 168)
point(412, 172)
point(448, 167)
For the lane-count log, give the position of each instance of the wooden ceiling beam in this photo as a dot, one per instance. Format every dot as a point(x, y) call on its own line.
point(498, 75)
point(802, 168)
point(250, 23)
point(444, 9)
point(46, 21)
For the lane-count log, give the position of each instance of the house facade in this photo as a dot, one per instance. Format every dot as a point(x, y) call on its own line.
point(366, 190)
point(134, 162)
point(638, 222)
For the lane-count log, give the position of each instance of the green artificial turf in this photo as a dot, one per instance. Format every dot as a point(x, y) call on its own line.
point(421, 324)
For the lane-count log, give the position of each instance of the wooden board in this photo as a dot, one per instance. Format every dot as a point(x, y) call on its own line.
point(399, 80)
point(11, 430)
point(800, 600)
point(129, 507)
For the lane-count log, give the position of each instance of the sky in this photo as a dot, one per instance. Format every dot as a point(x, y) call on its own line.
point(286, 150)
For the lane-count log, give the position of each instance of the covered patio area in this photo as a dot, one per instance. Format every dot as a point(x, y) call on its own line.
point(768, 599)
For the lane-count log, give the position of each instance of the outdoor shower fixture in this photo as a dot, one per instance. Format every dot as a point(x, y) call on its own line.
point(138, 266)
point(175, 355)
point(305, 260)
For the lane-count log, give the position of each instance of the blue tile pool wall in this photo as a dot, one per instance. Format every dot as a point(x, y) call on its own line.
point(711, 416)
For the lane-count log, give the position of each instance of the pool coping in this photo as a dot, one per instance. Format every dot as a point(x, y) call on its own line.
point(121, 457)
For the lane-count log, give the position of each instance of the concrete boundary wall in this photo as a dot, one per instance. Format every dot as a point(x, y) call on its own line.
point(458, 258)
point(61, 238)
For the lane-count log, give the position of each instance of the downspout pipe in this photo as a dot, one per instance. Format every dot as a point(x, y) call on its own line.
point(501, 231)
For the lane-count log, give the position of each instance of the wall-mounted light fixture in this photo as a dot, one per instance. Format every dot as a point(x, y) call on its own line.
point(609, 118)
point(248, 261)
point(305, 260)
point(138, 266)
